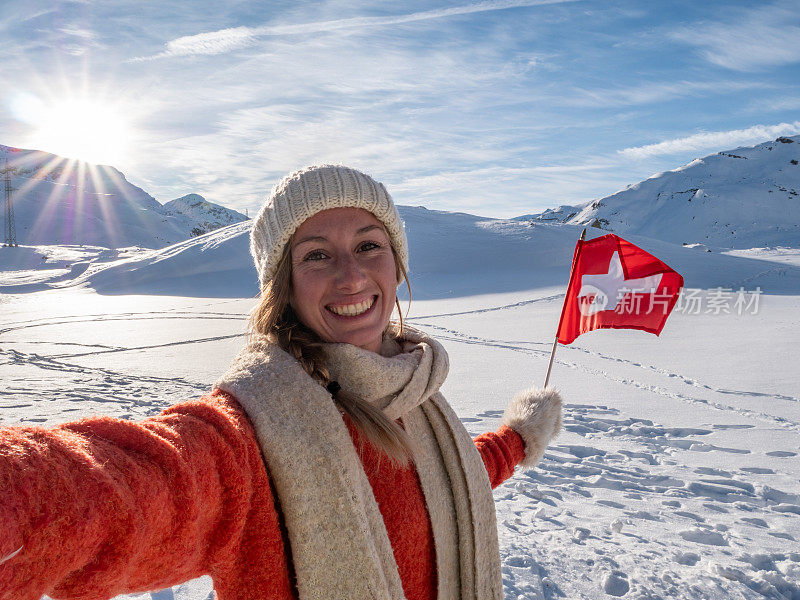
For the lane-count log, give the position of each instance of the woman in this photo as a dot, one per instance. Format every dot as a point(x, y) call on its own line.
point(324, 464)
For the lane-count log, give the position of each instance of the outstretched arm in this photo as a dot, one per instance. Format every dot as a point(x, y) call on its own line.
point(104, 506)
point(501, 451)
point(532, 419)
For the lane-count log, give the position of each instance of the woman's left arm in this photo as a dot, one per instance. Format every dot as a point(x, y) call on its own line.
point(532, 419)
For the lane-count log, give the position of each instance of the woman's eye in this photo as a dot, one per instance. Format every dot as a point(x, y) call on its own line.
point(315, 255)
point(366, 246)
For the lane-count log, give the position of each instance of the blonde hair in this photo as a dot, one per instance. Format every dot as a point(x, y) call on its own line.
point(274, 318)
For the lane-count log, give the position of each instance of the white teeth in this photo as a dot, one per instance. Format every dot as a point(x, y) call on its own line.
point(352, 310)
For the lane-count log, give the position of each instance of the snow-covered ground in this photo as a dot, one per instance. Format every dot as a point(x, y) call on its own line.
point(677, 474)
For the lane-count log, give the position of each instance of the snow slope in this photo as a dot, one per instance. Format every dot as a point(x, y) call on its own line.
point(740, 198)
point(214, 264)
point(498, 255)
point(62, 201)
point(442, 244)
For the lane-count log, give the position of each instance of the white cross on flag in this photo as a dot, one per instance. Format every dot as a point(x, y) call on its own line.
point(616, 285)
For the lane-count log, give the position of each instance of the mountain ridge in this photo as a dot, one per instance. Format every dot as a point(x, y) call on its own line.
point(208, 215)
point(68, 202)
point(741, 198)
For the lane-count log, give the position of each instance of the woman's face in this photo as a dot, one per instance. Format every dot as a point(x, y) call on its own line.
point(344, 277)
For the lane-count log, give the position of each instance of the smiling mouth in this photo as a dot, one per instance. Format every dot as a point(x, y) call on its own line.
point(353, 310)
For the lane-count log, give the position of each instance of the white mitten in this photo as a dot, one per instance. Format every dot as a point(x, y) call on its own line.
point(535, 414)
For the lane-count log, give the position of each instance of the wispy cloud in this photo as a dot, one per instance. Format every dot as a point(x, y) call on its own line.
point(775, 104)
point(459, 180)
point(236, 38)
point(14, 16)
point(78, 32)
point(655, 92)
point(427, 158)
point(713, 140)
point(504, 191)
point(766, 36)
point(82, 40)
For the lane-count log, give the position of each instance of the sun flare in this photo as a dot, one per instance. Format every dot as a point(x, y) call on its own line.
point(88, 130)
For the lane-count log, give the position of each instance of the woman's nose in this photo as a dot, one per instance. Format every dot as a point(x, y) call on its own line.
point(350, 275)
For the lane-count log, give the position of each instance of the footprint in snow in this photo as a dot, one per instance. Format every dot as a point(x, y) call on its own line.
point(755, 521)
point(616, 584)
point(490, 414)
point(781, 453)
point(519, 560)
point(712, 471)
point(688, 559)
point(610, 503)
point(690, 515)
point(703, 536)
point(583, 451)
point(643, 514)
point(579, 534)
point(757, 470)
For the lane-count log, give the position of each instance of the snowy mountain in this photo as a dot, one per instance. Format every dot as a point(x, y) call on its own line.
point(741, 198)
point(562, 214)
point(207, 215)
point(452, 255)
point(63, 201)
point(503, 255)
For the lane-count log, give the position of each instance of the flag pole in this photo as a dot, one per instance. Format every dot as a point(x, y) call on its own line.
point(564, 306)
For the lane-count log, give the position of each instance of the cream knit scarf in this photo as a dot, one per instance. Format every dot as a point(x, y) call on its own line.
point(339, 545)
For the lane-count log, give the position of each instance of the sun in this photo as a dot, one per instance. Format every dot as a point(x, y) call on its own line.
point(89, 130)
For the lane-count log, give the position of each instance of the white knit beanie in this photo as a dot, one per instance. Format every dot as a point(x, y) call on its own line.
point(306, 192)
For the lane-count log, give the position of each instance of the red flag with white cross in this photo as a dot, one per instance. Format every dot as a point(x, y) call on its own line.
point(616, 285)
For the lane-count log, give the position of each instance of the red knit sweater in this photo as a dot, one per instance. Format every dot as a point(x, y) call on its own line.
point(106, 506)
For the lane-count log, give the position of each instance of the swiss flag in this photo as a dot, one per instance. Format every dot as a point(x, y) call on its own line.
point(616, 285)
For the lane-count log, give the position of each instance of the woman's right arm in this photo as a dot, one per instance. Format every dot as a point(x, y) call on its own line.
point(106, 506)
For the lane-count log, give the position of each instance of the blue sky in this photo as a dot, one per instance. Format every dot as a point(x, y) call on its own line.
point(497, 108)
